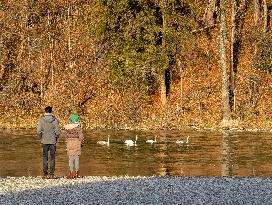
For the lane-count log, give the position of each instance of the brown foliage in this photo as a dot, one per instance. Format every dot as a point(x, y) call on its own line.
point(48, 57)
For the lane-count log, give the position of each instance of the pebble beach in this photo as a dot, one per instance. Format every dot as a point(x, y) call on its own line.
point(136, 190)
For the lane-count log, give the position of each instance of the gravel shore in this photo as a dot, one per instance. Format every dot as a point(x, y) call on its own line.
point(136, 190)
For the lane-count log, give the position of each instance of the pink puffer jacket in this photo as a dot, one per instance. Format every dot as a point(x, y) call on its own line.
point(74, 138)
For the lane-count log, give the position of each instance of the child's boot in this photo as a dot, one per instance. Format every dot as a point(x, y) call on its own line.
point(70, 175)
point(76, 174)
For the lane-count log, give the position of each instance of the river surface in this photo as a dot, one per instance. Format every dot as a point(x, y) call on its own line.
point(207, 154)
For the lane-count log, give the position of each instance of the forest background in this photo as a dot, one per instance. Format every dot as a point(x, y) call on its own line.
point(137, 64)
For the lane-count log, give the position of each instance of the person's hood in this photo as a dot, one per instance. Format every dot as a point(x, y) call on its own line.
point(71, 126)
point(49, 117)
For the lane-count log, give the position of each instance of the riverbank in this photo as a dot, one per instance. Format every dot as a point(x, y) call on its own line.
point(136, 190)
point(151, 118)
point(9, 126)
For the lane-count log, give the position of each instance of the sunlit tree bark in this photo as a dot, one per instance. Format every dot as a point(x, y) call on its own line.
point(256, 23)
point(41, 78)
point(209, 13)
point(181, 82)
point(1, 46)
point(223, 64)
point(233, 38)
point(256, 11)
point(265, 14)
point(164, 5)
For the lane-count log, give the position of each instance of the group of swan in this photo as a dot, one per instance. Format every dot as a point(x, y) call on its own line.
point(133, 143)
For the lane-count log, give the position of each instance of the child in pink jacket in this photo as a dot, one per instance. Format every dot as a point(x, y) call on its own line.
point(74, 140)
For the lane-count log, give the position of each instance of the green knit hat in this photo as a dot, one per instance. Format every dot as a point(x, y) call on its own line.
point(74, 118)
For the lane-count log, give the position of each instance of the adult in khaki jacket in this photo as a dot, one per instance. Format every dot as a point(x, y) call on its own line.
point(74, 139)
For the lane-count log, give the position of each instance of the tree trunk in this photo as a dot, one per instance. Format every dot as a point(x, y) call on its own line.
point(223, 64)
point(1, 47)
point(256, 23)
point(163, 89)
point(72, 70)
point(164, 44)
point(69, 38)
point(256, 12)
point(51, 42)
point(181, 82)
point(209, 13)
point(232, 50)
point(23, 19)
point(265, 10)
point(41, 86)
point(51, 60)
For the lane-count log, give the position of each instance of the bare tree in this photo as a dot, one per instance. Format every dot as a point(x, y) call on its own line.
point(223, 64)
point(265, 14)
point(256, 23)
point(1, 47)
point(209, 18)
point(41, 83)
point(256, 11)
point(181, 82)
point(165, 66)
point(233, 37)
point(51, 41)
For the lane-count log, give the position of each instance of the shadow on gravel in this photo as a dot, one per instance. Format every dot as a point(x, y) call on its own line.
point(157, 190)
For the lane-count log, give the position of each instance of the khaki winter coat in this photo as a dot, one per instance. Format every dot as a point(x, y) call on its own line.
point(74, 138)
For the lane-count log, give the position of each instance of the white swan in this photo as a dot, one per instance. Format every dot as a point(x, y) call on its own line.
point(104, 142)
point(182, 142)
point(152, 141)
point(131, 142)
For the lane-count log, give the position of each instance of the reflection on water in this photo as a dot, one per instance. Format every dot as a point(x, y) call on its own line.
point(206, 154)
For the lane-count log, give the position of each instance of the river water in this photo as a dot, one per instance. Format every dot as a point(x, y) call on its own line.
point(207, 154)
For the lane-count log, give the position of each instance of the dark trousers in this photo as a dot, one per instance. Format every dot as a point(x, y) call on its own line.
point(52, 149)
